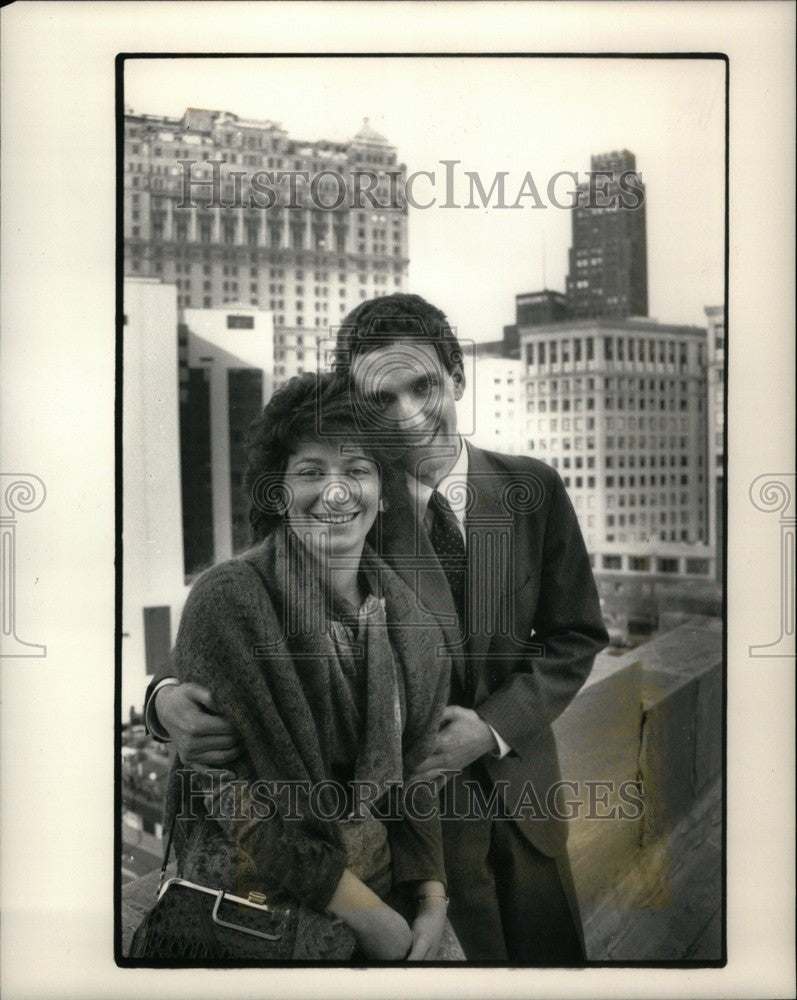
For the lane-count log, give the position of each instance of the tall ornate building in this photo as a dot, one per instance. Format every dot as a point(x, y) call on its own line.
point(236, 212)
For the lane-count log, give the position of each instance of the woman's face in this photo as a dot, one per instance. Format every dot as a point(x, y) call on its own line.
point(332, 496)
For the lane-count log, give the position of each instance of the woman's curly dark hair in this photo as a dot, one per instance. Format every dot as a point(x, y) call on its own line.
point(309, 407)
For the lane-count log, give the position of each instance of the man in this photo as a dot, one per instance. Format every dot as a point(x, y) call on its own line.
point(490, 543)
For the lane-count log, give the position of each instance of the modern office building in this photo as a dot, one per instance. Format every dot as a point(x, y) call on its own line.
point(227, 358)
point(153, 577)
point(716, 430)
point(197, 213)
point(190, 391)
point(536, 308)
point(492, 411)
point(531, 309)
point(619, 408)
point(608, 274)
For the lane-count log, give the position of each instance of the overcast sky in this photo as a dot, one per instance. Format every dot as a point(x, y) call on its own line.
point(503, 114)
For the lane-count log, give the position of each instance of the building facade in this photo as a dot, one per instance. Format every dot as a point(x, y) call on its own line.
point(197, 212)
point(608, 273)
point(536, 308)
point(492, 411)
point(228, 356)
point(619, 408)
point(716, 430)
point(153, 579)
point(190, 389)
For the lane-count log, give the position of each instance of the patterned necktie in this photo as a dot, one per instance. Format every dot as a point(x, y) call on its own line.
point(449, 545)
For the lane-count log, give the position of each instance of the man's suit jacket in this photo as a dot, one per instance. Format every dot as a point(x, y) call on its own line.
point(534, 610)
point(535, 620)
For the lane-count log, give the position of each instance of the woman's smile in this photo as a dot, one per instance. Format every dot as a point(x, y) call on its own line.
point(336, 518)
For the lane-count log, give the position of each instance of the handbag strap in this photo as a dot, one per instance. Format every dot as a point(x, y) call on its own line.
point(166, 852)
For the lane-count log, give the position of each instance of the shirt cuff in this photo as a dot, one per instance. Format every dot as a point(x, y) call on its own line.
point(151, 720)
point(503, 747)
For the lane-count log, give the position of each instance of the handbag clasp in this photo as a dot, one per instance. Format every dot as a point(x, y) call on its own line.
point(239, 927)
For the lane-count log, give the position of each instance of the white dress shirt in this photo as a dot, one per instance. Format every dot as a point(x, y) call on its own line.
point(454, 487)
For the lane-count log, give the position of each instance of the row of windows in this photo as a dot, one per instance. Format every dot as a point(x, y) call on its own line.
point(626, 500)
point(644, 480)
point(172, 152)
point(675, 517)
point(640, 403)
point(275, 237)
point(611, 403)
point(564, 385)
point(621, 423)
point(577, 461)
point(196, 253)
point(632, 348)
point(647, 534)
point(622, 442)
point(233, 271)
point(552, 425)
point(644, 564)
point(566, 444)
point(544, 406)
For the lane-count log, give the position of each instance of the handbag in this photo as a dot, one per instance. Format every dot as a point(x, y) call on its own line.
point(195, 923)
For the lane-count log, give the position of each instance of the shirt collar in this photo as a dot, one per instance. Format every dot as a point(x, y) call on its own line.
point(449, 485)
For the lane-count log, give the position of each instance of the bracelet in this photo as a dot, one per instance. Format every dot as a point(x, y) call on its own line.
point(431, 895)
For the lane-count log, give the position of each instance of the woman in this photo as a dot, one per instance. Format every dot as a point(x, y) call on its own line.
point(317, 652)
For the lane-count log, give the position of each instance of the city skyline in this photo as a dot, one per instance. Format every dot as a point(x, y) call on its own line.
point(670, 114)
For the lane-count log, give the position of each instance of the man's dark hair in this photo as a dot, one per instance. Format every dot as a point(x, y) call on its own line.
point(387, 319)
point(308, 407)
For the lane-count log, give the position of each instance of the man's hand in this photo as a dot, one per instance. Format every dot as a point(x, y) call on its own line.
point(191, 718)
point(463, 738)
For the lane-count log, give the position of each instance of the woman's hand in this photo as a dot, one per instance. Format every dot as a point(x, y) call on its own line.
point(428, 926)
point(384, 934)
point(381, 932)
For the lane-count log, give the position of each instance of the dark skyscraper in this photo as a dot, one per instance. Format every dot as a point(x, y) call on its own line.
point(608, 259)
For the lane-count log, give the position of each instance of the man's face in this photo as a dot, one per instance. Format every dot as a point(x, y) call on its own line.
point(404, 390)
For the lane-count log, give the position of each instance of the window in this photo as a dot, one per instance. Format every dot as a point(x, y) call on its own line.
point(235, 322)
point(157, 636)
point(612, 562)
